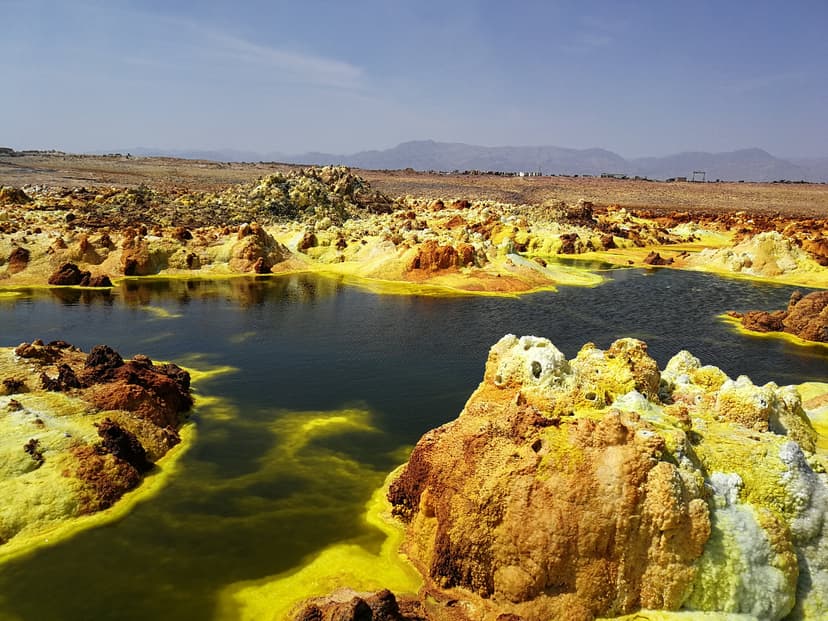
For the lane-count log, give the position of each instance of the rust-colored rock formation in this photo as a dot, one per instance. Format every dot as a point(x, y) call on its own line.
point(154, 393)
point(101, 423)
point(70, 274)
point(18, 259)
point(432, 256)
point(549, 515)
point(155, 396)
point(600, 486)
point(135, 256)
point(805, 317)
point(104, 476)
point(256, 250)
point(654, 258)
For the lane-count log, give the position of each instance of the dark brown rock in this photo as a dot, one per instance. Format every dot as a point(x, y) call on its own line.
point(568, 243)
point(157, 394)
point(123, 445)
point(181, 234)
point(13, 385)
point(654, 258)
point(32, 448)
point(807, 317)
point(104, 477)
point(761, 321)
point(37, 350)
point(381, 606)
point(103, 357)
point(66, 380)
point(608, 241)
point(308, 241)
point(311, 612)
point(18, 259)
point(69, 274)
point(99, 281)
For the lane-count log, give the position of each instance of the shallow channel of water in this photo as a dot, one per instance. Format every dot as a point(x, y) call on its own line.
point(265, 487)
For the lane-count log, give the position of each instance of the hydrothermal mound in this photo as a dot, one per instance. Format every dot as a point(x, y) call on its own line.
point(329, 220)
point(602, 486)
point(77, 432)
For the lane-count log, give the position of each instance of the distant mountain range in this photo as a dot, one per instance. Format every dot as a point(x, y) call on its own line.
point(424, 155)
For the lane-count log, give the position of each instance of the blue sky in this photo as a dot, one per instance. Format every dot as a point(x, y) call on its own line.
point(639, 78)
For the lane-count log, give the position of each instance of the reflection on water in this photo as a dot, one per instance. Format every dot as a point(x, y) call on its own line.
point(330, 382)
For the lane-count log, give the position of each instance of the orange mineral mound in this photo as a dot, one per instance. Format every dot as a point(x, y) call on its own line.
point(602, 486)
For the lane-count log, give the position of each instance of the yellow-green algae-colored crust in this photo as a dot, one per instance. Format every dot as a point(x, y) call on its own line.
point(814, 397)
point(633, 256)
point(768, 551)
point(57, 522)
point(43, 505)
point(768, 257)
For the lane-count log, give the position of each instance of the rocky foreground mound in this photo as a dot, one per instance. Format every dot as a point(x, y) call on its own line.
point(601, 486)
point(805, 317)
point(79, 430)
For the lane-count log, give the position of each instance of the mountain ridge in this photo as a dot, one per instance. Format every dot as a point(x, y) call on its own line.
point(749, 164)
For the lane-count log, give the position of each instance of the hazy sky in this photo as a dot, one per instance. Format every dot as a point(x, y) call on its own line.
point(639, 78)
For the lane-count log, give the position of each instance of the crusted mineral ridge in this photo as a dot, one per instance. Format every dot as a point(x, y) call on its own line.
point(600, 486)
point(805, 317)
point(79, 432)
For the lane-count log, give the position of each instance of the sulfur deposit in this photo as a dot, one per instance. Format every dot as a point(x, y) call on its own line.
point(79, 431)
point(768, 256)
point(330, 220)
point(601, 485)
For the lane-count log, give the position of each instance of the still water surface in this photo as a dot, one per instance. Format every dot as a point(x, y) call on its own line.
point(254, 497)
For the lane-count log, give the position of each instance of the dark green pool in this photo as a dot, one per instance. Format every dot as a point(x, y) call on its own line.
point(244, 505)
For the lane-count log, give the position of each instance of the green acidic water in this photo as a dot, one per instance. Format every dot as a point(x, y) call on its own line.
point(326, 387)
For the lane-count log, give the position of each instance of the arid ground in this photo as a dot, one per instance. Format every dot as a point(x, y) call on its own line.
point(792, 200)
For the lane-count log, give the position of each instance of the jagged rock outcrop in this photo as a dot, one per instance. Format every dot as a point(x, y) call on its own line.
point(18, 260)
point(805, 317)
point(13, 196)
point(70, 274)
point(256, 250)
point(654, 258)
point(80, 431)
point(598, 486)
point(141, 256)
point(332, 192)
point(432, 256)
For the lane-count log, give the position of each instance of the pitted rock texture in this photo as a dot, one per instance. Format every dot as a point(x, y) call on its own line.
point(766, 255)
point(599, 486)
